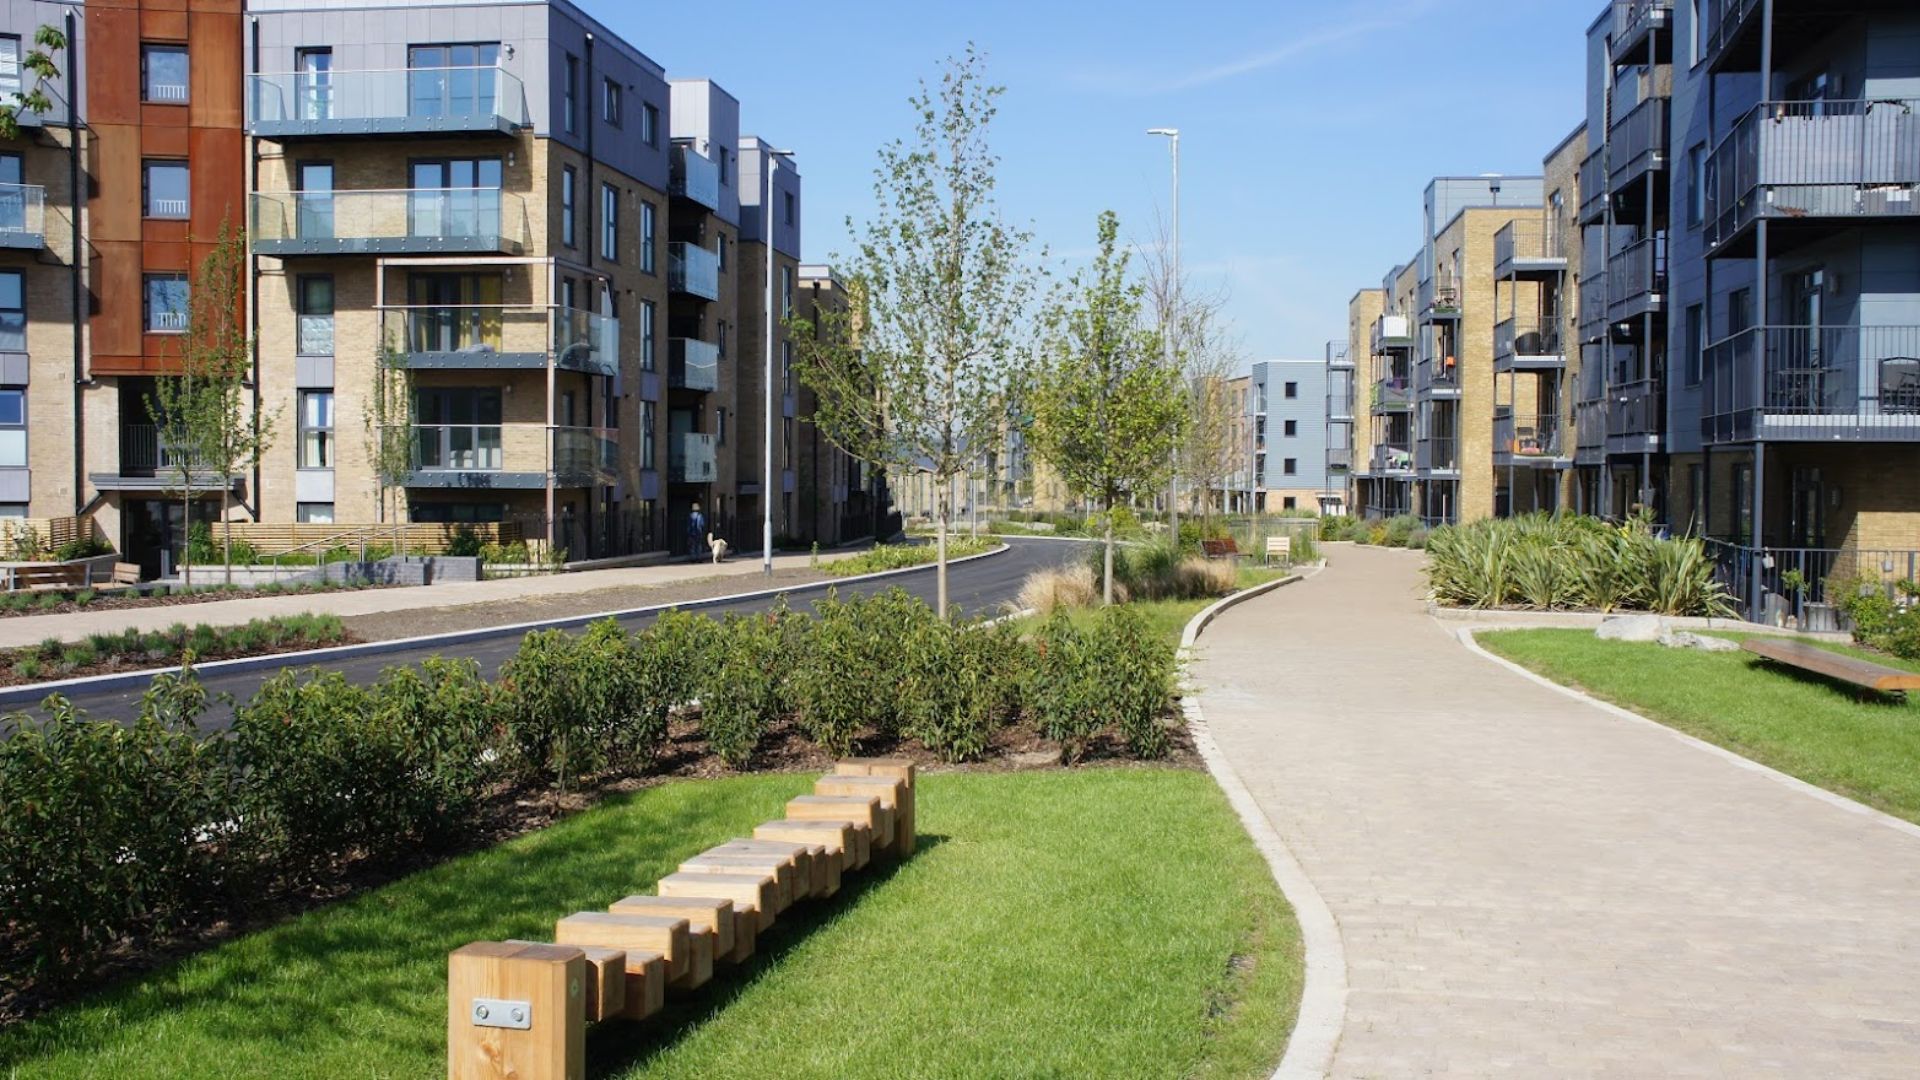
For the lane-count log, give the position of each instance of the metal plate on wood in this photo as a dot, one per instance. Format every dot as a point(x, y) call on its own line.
point(500, 1013)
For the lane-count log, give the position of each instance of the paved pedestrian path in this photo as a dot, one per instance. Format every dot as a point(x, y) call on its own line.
point(22, 630)
point(1527, 885)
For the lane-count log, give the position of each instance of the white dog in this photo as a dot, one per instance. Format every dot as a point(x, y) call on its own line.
point(718, 546)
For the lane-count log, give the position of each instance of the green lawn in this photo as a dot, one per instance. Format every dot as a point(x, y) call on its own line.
point(1170, 617)
point(1098, 922)
point(1805, 726)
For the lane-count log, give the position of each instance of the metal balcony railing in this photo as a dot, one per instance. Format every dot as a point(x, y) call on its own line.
point(694, 177)
point(1637, 278)
point(1635, 24)
point(1637, 144)
point(693, 270)
point(1339, 457)
point(405, 220)
point(1845, 383)
point(1392, 332)
point(1519, 436)
point(1392, 457)
point(1593, 187)
point(1437, 453)
point(1728, 25)
point(1528, 246)
point(1636, 410)
point(143, 450)
point(1594, 292)
point(1807, 597)
point(1813, 160)
point(23, 216)
point(693, 364)
point(385, 102)
point(1392, 395)
point(690, 458)
point(1339, 355)
point(1590, 429)
point(1528, 340)
point(1437, 373)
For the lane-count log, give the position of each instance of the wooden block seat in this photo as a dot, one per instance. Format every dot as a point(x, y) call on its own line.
point(749, 892)
point(606, 987)
point(842, 838)
point(701, 912)
point(823, 866)
point(892, 769)
point(1832, 665)
point(688, 953)
point(553, 1040)
point(790, 885)
point(863, 809)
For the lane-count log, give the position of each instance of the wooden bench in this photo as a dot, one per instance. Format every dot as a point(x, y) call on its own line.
point(1832, 665)
point(1220, 549)
point(62, 576)
point(1280, 547)
point(520, 1008)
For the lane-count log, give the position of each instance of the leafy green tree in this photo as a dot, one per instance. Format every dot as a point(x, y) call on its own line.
point(47, 41)
point(389, 419)
point(913, 374)
point(1108, 412)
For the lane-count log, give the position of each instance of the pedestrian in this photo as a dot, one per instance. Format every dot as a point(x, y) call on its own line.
point(696, 534)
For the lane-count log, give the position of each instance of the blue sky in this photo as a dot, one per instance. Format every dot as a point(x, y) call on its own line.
point(1308, 130)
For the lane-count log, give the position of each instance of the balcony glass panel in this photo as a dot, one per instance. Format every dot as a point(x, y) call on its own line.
point(693, 270)
point(23, 221)
point(388, 101)
point(693, 364)
point(690, 457)
point(695, 177)
point(425, 220)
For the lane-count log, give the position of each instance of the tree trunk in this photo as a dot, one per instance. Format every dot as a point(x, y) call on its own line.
point(1106, 588)
point(943, 502)
point(226, 534)
point(186, 530)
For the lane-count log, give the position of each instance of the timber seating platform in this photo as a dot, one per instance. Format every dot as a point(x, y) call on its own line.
point(1836, 666)
point(1220, 549)
point(520, 1009)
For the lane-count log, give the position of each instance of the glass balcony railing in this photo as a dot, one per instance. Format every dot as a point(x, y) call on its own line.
point(512, 456)
point(693, 270)
point(694, 177)
point(459, 447)
point(396, 101)
point(586, 341)
point(584, 456)
point(481, 337)
point(1817, 383)
point(398, 221)
point(1392, 332)
point(1811, 161)
point(690, 458)
point(1391, 457)
point(693, 364)
point(23, 216)
point(1392, 394)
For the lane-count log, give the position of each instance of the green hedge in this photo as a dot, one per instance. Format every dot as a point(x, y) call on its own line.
point(109, 830)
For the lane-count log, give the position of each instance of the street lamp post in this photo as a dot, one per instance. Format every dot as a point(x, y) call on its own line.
point(772, 165)
point(1169, 319)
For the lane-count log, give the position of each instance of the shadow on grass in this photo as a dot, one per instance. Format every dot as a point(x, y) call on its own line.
point(616, 1047)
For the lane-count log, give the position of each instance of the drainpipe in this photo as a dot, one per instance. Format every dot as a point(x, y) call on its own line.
point(253, 280)
point(592, 199)
point(79, 322)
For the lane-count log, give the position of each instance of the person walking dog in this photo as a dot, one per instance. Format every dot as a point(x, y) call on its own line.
point(696, 534)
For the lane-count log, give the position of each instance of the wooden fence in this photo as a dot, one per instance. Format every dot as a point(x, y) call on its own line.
point(424, 538)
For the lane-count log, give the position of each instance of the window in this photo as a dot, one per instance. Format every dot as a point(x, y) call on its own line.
point(13, 311)
point(452, 80)
point(720, 337)
point(166, 303)
point(1696, 32)
point(1697, 495)
point(786, 365)
point(316, 314)
point(724, 159)
point(313, 513)
point(10, 86)
point(786, 292)
point(13, 510)
point(1289, 466)
point(457, 428)
point(610, 103)
point(313, 83)
point(1292, 390)
point(163, 74)
point(1290, 428)
point(1739, 310)
point(1287, 502)
point(567, 181)
point(786, 436)
point(720, 250)
point(163, 190)
point(646, 435)
point(316, 429)
point(650, 124)
point(13, 429)
point(570, 97)
point(1696, 184)
point(787, 203)
point(609, 223)
point(1695, 343)
point(720, 424)
point(646, 335)
point(647, 237)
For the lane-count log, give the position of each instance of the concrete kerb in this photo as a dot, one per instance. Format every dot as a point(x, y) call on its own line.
point(1498, 618)
point(1466, 634)
point(21, 696)
point(1323, 997)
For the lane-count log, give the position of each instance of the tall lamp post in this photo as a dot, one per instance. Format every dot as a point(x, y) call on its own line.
point(772, 165)
point(1168, 320)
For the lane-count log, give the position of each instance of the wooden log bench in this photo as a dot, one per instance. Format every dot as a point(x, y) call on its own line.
point(520, 1008)
point(1832, 665)
point(1220, 549)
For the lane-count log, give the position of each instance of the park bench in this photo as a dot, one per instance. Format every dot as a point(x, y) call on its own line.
point(521, 1008)
point(1832, 665)
point(1220, 549)
point(47, 576)
point(1279, 547)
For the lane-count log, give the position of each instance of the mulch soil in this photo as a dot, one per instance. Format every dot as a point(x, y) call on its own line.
point(112, 602)
point(55, 670)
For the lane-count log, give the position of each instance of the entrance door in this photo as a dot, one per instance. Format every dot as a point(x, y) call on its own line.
point(1807, 528)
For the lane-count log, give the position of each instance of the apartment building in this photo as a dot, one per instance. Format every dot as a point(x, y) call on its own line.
point(844, 498)
point(1287, 401)
point(1337, 466)
point(499, 203)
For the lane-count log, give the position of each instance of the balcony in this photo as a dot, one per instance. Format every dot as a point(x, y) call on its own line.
point(23, 217)
point(1734, 41)
point(1339, 457)
point(1642, 32)
point(1593, 306)
point(1590, 432)
point(422, 221)
point(693, 270)
point(1339, 357)
point(1391, 458)
point(1813, 164)
point(1636, 149)
point(1391, 395)
point(693, 364)
point(495, 338)
point(1443, 301)
point(694, 177)
point(1437, 454)
point(1528, 343)
point(1637, 279)
point(690, 458)
point(1392, 332)
point(1814, 383)
point(512, 457)
point(1593, 187)
point(1340, 400)
point(1437, 376)
point(393, 101)
point(148, 465)
point(1636, 417)
point(1528, 438)
point(1528, 249)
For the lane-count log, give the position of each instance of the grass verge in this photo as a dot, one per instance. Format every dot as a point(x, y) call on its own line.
point(1805, 726)
point(901, 556)
point(1169, 618)
point(1094, 922)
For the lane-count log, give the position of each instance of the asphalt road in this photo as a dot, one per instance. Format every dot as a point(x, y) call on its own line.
point(979, 586)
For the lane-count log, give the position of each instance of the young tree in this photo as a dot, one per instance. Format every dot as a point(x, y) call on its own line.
point(914, 374)
point(47, 40)
point(1108, 412)
point(390, 435)
point(207, 422)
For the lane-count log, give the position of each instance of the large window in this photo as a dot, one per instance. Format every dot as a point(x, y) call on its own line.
point(609, 223)
point(13, 311)
point(10, 86)
point(316, 429)
point(646, 335)
point(647, 237)
point(650, 125)
point(13, 429)
point(610, 103)
point(163, 74)
point(308, 513)
point(166, 303)
point(316, 314)
point(455, 313)
point(567, 181)
point(455, 197)
point(570, 97)
point(457, 428)
point(452, 80)
point(313, 83)
point(164, 189)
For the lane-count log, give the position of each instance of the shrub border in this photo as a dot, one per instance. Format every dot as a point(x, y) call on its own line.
point(1323, 996)
point(13, 698)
